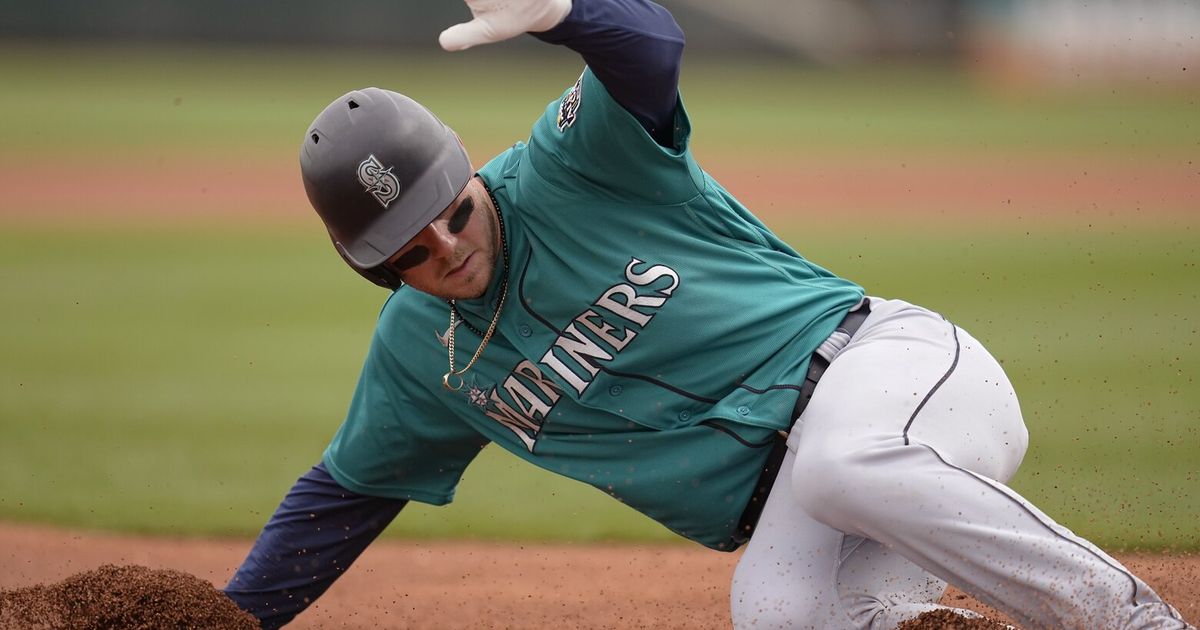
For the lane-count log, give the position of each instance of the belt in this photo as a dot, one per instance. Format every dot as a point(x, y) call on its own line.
point(816, 369)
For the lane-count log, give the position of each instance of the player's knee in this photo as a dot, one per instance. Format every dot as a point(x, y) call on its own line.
point(762, 606)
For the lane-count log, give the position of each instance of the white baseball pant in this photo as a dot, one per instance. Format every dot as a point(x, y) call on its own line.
point(893, 486)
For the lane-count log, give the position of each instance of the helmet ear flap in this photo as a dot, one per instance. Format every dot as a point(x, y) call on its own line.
point(382, 275)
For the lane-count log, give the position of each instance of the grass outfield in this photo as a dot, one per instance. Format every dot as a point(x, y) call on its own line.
point(178, 381)
point(177, 378)
point(211, 101)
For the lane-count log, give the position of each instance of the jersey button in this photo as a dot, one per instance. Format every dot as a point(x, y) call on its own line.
point(685, 415)
point(524, 330)
point(743, 410)
point(615, 390)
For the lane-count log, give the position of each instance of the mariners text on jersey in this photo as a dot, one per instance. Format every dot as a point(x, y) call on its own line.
point(528, 396)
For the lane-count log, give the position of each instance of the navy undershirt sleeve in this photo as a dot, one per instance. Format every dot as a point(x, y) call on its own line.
point(318, 531)
point(635, 48)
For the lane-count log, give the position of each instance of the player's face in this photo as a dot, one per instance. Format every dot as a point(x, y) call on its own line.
point(455, 255)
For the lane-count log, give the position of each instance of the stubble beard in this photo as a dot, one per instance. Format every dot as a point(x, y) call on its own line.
point(489, 254)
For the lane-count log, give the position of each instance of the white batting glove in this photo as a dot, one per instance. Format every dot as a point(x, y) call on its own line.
point(498, 20)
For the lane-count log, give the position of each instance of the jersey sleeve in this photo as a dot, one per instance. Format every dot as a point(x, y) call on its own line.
point(586, 141)
point(635, 48)
point(397, 441)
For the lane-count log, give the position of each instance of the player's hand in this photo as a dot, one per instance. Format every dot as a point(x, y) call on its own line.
point(498, 20)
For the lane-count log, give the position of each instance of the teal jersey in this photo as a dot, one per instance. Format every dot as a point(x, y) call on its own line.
point(652, 342)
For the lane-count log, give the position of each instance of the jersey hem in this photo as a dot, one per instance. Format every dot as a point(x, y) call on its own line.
point(346, 482)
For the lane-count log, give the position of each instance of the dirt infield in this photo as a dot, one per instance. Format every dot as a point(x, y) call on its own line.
point(484, 585)
point(1080, 188)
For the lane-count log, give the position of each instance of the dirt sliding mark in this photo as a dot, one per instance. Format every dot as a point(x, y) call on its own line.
point(124, 597)
point(946, 620)
point(441, 585)
point(1018, 186)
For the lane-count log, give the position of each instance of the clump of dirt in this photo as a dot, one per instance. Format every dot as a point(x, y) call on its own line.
point(950, 620)
point(124, 597)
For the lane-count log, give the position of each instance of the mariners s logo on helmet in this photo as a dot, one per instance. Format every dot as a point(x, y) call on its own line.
point(378, 181)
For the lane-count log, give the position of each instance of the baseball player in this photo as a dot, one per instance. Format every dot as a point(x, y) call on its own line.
point(594, 302)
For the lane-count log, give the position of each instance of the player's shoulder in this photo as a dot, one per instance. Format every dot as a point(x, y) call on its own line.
point(407, 333)
point(584, 103)
point(406, 309)
point(586, 140)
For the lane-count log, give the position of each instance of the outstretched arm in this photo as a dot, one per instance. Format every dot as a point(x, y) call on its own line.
point(318, 531)
point(633, 46)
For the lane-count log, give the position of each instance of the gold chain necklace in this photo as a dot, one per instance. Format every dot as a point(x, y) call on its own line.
point(487, 336)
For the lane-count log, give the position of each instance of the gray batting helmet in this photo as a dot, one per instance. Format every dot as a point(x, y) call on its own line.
point(379, 167)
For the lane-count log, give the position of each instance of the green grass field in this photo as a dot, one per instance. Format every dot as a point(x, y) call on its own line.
point(258, 102)
point(175, 378)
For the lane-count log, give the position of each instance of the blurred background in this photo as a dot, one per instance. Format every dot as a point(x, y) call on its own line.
point(178, 340)
point(1059, 40)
